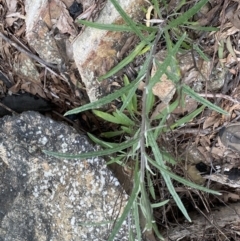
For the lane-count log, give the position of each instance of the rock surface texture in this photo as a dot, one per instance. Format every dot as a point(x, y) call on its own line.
point(96, 51)
point(45, 198)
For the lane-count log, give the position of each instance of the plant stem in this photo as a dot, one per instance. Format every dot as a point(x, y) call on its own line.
point(145, 122)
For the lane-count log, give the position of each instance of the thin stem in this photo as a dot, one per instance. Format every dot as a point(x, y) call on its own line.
point(144, 122)
point(28, 53)
point(227, 97)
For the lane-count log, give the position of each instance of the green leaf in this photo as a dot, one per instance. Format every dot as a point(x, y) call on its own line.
point(141, 74)
point(129, 21)
point(107, 117)
point(104, 26)
point(187, 118)
point(186, 89)
point(166, 63)
point(118, 159)
point(127, 130)
point(101, 142)
point(132, 104)
point(183, 18)
point(124, 119)
point(167, 110)
point(136, 221)
point(158, 205)
point(115, 27)
point(168, 158)
point(157, 8)
point(146, 208)
point(155, 228)
point(127, 60)
point(110, 134)
point(166, 176)
point(105, 100)
point(182, 180)
point(150, 102)
point(116, 117)
point(200, 52)
point(120, 147)
point(145, 50)
point(127, 208)
point(168, 40)
point(150, 186)
point(179, 5)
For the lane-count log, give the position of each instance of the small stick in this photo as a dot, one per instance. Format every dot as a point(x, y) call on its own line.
point(7, 108)
point(227, 97)
point(192, 131)
point(27, 52)
point(41, 61)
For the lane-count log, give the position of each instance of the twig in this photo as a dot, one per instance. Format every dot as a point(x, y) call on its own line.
point(7, 108)
point(227, 97)
point(192, 131)
point(48, 66)
point(27, 52)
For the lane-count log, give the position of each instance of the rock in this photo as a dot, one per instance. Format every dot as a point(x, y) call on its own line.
point(96, 51)
point(46, 21)
point(45, 198)
point(50, 31)
point(38, 33)
point(25, 67)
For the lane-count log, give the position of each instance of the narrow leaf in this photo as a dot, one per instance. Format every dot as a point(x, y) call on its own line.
point(136, 221)
point(127, 208)
point(101, 142)
point(115, 27)
point(200, 52)
point(127, 60)
point(187, 118)
point(110, 134)
point(104, 26)
point(157, 205)
point(182, 180)
point(166, 63)
point(129, 21)
point(200, 99)
point(183, 18)
point(166, 176)
point(105, 100)
point(124, 119)
point(107, 117)
point(141, 74)
point(120, 147)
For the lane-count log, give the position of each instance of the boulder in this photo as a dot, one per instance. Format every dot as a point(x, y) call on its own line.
point(46, 198)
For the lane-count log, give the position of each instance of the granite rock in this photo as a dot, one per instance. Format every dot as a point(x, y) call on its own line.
point(45, 198)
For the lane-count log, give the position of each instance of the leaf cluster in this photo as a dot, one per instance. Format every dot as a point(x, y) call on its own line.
point(140, 135)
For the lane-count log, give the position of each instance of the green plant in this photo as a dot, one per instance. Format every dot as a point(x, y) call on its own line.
point(143, 135)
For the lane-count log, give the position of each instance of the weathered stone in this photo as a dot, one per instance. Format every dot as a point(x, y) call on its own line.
point(45, 198)
point(45, 22)
point(96, 51)
point(38, 32)
point(26, 67)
